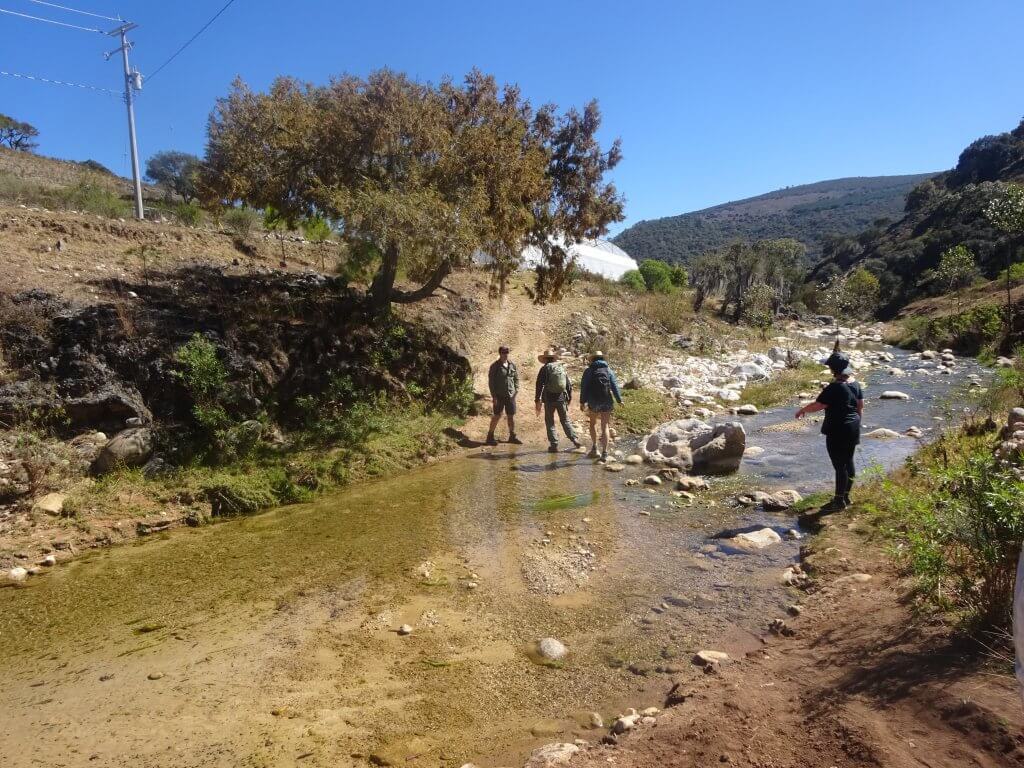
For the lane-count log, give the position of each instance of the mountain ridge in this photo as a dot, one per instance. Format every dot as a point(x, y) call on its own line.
point(808, 212)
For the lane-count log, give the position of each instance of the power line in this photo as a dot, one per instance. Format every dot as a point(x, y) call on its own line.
point(22, 76)
point(75, 10)
point(191, 40)
point(50, 21)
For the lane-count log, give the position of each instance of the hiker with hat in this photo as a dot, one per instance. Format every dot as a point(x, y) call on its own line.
point(599, 391)
point(843, 403)
point(503, 383)
point(554, 391)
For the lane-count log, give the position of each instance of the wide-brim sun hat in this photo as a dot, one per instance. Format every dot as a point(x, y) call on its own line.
point(598, 355)
point(548, 355)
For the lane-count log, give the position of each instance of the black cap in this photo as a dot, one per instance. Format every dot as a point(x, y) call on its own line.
point(839, 364)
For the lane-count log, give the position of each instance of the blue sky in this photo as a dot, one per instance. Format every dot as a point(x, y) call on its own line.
point(714, 100)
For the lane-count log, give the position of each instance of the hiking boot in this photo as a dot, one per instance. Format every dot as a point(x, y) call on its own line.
point(577, 444)
point(593, 453)
point(552, 449)
point(490, 440)
point(514, 440)
point(836, 505)
point(604, 456)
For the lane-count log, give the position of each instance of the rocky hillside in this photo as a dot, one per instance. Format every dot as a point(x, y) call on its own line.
point(807, 213)
point(941, 212)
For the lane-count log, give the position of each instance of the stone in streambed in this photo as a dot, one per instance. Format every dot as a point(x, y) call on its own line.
point(882, 434)
point(893, 394)
point(635, 459)
point(551, 755)
point(754, 541)
point(551, 649)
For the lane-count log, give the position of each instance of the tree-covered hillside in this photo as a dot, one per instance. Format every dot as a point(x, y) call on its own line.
point(941, 213)
point(807, 213)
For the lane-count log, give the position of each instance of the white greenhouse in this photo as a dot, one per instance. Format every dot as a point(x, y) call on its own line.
point(597, 256)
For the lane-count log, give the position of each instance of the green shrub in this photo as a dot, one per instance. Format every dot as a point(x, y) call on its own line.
point(642, 410)
point(239, 494)
point(92, 197)
point(1016, 274)
point(241, 221)
point(958, 524)
point(189, 214)
point(200, 370)
point(657, 276)
point(633, 280)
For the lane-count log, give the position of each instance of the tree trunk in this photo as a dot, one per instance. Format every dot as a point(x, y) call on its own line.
point(383, 292)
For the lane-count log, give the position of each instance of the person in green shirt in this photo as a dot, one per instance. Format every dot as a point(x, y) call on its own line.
point(503, 383)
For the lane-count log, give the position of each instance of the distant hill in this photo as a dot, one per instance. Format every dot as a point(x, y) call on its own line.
point(808, 213)
point(941, 212)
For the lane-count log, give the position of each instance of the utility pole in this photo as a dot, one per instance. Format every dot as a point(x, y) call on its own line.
point(132, 82)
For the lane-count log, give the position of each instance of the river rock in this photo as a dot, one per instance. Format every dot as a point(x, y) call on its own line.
point(625, 723)
point(1004, 362)
point(727, 395)
point(752, 371)
point(929, 354)
point(753, 451)
point(747, 409)
point(710, 658)
point(635, 458)
point(1015, 417)
point(693, 445)
point(49, 561)
point(596, 721)
point(129, 448)
point(652, 480)
point(551, 649)
point(551, 755)
point(691, 484)
point(17, 574)
point(753, 541)
point(782, 500)
point(614, 466)
point(882, 434)
point(50, 504)
point(914, 432)
point(893, 394)
point(405, 629)
point(752, 498)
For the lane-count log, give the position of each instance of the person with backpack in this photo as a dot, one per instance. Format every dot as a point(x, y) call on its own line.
point(843, 403)
point(554, 392)
point(503, 383)
point(599, 391)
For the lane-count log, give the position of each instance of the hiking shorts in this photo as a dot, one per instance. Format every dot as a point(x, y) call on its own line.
point(505, 404)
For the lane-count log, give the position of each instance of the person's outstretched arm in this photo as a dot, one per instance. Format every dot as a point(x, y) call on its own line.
point(810, 408)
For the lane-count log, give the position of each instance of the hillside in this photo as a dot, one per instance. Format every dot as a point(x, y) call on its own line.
point(807, 212)
point(942, 212)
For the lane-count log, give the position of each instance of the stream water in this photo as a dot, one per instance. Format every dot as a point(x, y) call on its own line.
point(271, 640)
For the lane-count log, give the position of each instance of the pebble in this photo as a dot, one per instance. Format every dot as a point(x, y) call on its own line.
point(17, 574)
point(49, 561)
point(710, 658)
point(405, 629)
point(552, 649)
point(596, 721)
point(882, 434)
point(747, 409)
point(652, 480)
point(155, 675)
point(893, 394)
point(635, 459)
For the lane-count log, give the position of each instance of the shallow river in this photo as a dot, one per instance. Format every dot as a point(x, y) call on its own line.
point(271, 640)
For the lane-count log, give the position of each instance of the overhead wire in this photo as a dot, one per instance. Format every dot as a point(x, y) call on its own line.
point(75, 10)
point(51, 81)
point(191, 40)
point(51, 21)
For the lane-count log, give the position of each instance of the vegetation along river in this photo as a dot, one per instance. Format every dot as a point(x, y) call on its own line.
point(272, 640)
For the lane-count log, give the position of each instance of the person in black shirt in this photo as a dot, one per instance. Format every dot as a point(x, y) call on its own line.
point(843, 403)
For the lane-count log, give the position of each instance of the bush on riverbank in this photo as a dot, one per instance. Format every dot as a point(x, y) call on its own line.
point(955, 518)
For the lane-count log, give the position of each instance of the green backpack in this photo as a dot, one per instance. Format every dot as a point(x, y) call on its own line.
point(556, 381)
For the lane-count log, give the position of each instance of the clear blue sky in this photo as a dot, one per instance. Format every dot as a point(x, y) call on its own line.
point(714, 100)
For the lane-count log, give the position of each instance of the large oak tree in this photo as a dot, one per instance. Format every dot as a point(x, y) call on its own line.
point(417, 176)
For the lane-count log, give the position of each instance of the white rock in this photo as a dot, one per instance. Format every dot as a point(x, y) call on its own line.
point(728, 395)
point(754, 540)
point(650, 712)
point(405, 629)
point(710, 658)
point(652, 480)
point(551, 649)
point(635, 459)
point(747, 409)
point(17, 574)
point(882, 434)
point(49, 561)
point(51, 503)
point(753, 451)
point(551, 755)
point(625, 723)
point(893, 394)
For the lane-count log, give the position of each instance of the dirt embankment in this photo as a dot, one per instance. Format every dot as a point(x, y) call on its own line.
point(862, 683)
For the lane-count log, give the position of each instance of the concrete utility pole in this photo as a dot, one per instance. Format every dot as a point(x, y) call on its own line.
point(132, 83)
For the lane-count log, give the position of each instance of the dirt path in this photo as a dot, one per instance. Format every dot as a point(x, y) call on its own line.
point(863, 683)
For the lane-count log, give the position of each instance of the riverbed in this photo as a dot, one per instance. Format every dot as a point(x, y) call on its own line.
point(272, 640)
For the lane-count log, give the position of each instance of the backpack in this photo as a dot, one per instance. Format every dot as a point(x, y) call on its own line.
point(555, 382)
point(602, 379)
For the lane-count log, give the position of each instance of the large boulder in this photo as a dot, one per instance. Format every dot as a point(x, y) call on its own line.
point(129, 448)
point(695, 446)
point(752, 371)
